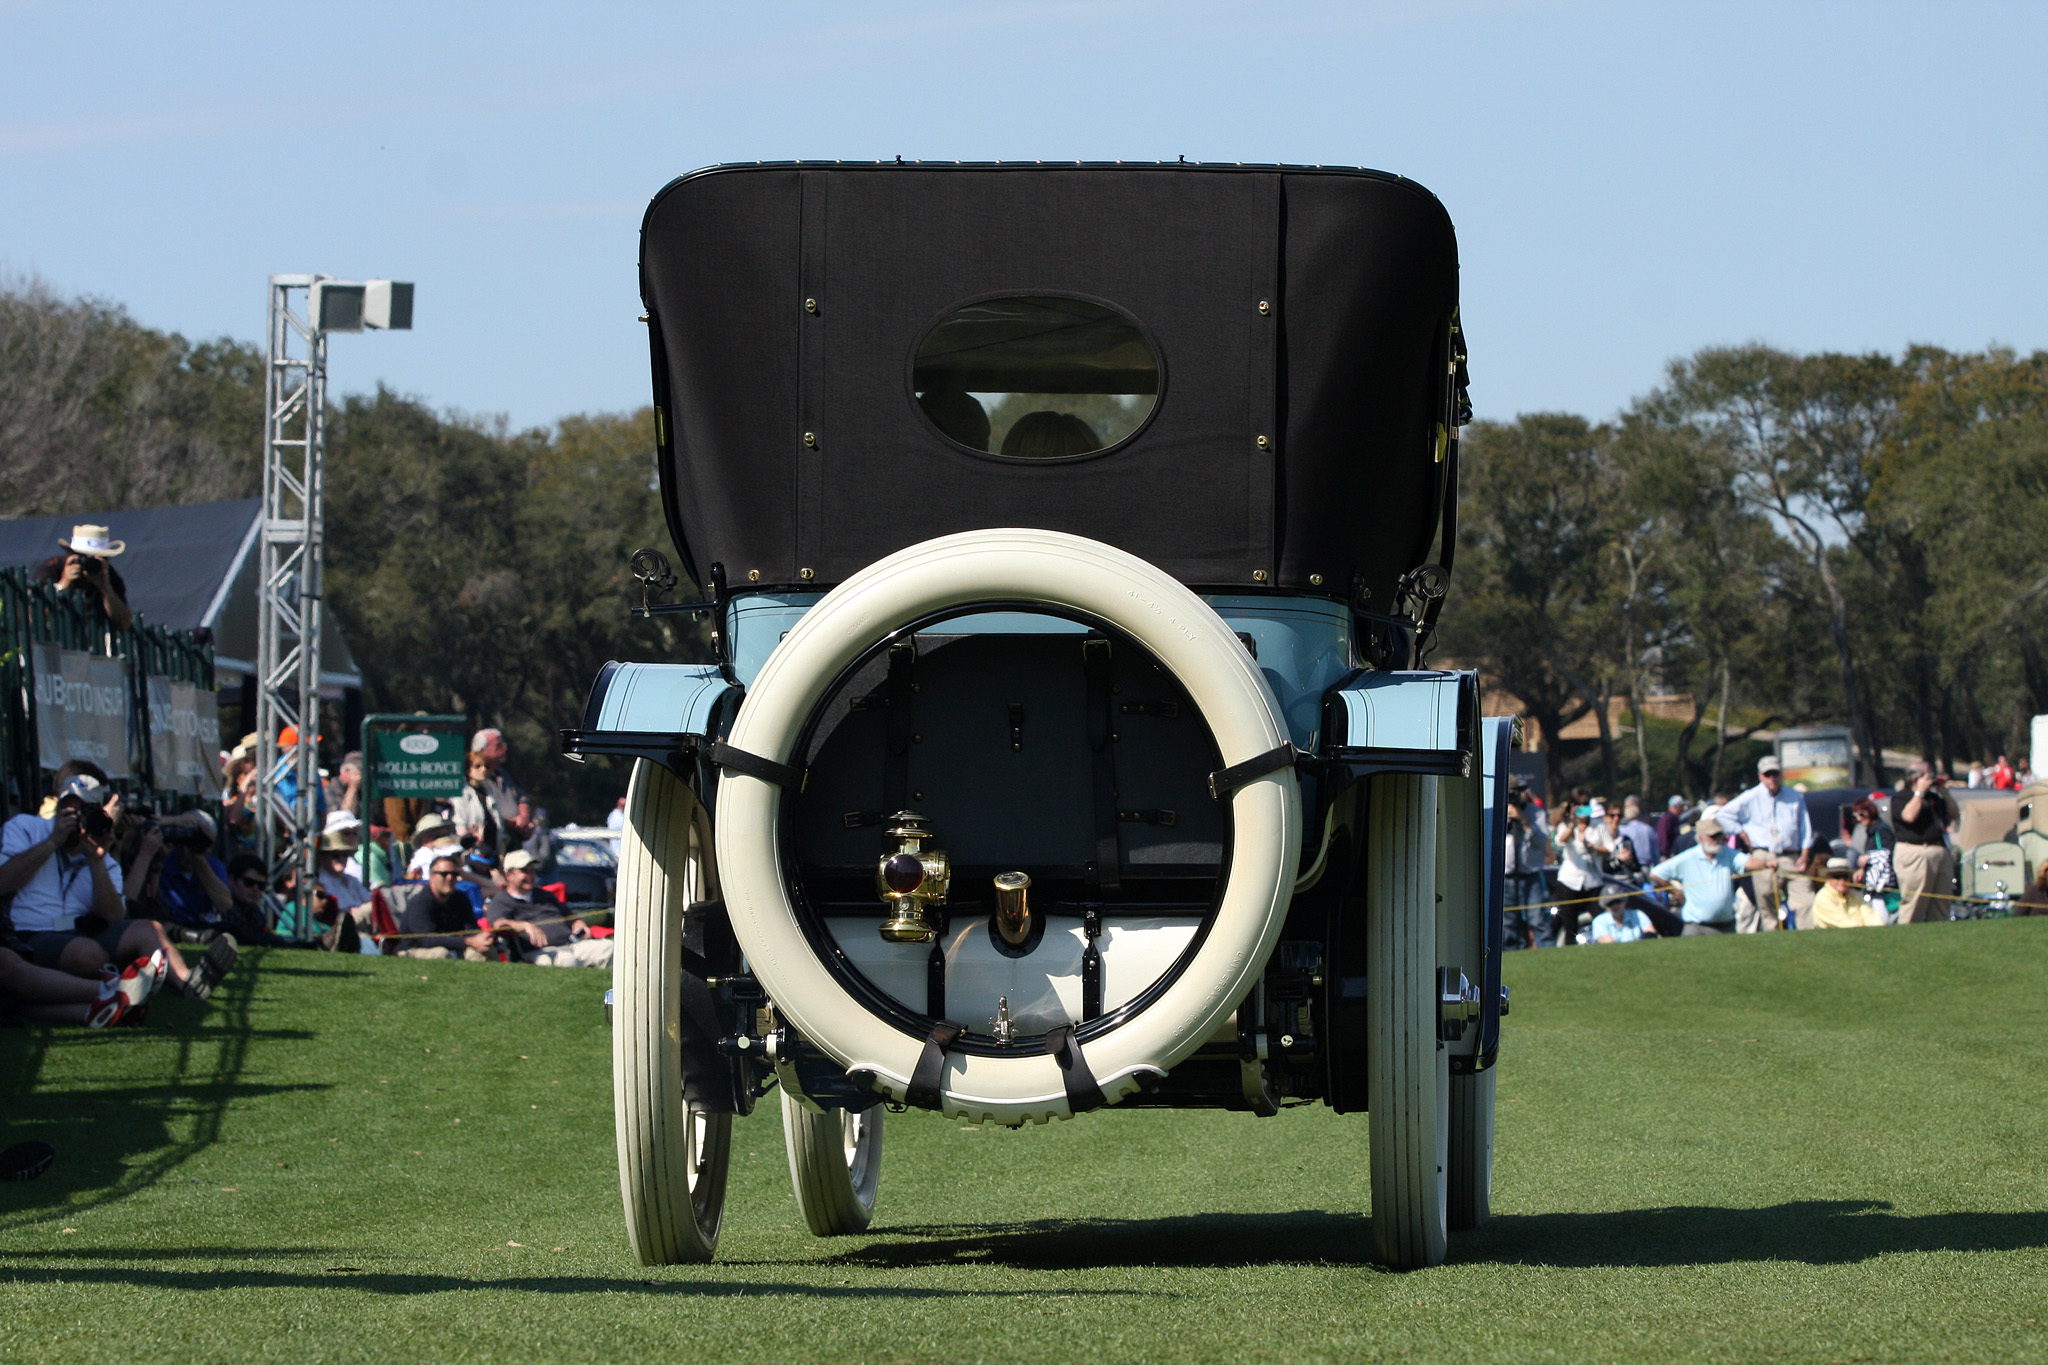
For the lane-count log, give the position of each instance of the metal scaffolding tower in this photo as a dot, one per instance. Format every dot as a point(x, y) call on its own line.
point(289, 606)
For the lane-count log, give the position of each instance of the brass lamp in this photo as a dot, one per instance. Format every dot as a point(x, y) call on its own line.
point(911, 880)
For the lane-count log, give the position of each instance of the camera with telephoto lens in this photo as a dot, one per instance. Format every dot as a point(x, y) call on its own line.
point(180, 835)
point(96, 823)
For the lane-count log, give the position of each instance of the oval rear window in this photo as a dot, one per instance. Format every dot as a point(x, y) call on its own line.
point(1036, 377)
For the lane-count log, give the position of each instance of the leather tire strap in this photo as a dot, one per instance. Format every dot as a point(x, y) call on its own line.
point(923, 1090)
point(1083, 1093)
point(753, 765)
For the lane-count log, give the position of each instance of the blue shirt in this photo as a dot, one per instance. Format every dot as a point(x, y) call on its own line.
point(1632, 925)
point(1773, 824)
point(1709, 883)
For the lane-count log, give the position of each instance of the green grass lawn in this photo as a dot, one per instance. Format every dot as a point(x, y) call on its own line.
point(1824, 1147)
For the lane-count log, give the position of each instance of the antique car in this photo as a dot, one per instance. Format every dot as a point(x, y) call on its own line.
point(1071, 538)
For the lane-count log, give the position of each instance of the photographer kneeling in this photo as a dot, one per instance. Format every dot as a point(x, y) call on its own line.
point(173, 875)
point(68, 909)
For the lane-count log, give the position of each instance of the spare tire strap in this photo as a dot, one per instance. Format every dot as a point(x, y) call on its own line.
point(1224, 781)
point(923, 1090)
point(753, 765)
point(1083, 1093)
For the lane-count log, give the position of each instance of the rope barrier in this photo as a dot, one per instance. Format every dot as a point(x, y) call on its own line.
point(1779, 881)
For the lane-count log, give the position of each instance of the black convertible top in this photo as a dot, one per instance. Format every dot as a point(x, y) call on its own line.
point(1303, 320)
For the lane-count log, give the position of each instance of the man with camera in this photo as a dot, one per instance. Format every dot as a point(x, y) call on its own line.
point(68, 910)
point(1920, 855)
point(83, 568)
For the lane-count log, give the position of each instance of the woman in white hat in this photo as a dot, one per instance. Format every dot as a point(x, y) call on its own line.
point(83, 567)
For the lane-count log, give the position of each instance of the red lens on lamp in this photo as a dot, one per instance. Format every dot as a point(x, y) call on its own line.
point(903, 873)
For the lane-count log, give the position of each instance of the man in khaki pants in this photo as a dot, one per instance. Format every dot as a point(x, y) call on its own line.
point(1921, 854)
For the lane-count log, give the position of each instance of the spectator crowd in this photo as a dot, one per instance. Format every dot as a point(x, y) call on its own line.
point(107, 901)
point(1605, 872)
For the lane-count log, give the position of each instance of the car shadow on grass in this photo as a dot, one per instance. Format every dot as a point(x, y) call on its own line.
point(1815, 1232)
point(408, 1285)
point(1811, 1232)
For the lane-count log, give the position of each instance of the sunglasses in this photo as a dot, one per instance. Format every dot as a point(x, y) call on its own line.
point(1712, 838)
point(438, 873)
point(250, 879)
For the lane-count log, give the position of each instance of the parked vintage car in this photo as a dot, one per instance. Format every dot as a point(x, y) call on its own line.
point(1072, 538)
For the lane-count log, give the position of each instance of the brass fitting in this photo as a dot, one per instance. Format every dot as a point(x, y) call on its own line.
point(912, 879)
point(1013, 907)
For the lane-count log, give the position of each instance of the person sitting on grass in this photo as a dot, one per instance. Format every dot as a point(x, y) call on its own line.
point(1706, 874)
point(1839, 905)
point(31, 992)
point(67, 906)
point(439, 921)
point(1621, 923)
point(544, 933)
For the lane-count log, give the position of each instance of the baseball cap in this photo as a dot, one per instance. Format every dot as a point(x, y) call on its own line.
point(1768, 764)
point(85, 789)
point(519, 858)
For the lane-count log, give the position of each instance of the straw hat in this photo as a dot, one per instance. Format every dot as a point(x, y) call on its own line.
point(433, 826)
point(92, 540)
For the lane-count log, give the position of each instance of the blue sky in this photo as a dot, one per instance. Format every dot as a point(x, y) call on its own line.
point(1630, 181)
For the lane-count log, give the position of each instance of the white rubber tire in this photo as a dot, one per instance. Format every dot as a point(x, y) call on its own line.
point(1054, 569)
point(1408, 1086)
point(673, 1160)
point(835, 1165)
point(1470, 1168)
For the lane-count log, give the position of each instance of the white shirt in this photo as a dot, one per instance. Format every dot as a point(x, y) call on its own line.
point(617, 819)
point(423, 859)
point(1579, 865)
point(60, 890)
point(1773, 824)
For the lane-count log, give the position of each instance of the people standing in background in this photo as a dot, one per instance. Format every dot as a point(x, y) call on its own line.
point(1637, 831)
point(345, 792)
point(1706, 874)
point(1668, 825)
point(2002, 775)
point(1975, 777)
point(1769, 819)
point(508, 799)
point(617, 818)
point(1524, 858)
point(1924, 863)
point(476, 814)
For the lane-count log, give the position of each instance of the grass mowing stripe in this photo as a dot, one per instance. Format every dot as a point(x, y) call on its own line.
point(1803, 1147)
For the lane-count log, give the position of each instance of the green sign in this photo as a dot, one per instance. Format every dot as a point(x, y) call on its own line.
point(414, 763)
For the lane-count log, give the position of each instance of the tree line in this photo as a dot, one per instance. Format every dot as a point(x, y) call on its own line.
point(1843, 539)
point(1824, 538)
point(474, 569)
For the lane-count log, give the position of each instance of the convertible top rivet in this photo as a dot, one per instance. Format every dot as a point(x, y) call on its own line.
point(1258, 575)
point(811, 439)
point(807, 574)
point(1263, 443)
point(753, 575)
point(1264, 307)
point(1315, 580)
point(810, 305)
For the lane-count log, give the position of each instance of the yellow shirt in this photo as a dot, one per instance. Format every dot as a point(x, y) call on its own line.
point(1834, 910)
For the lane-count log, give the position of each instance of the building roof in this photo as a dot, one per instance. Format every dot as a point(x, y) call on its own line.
point(188, 567)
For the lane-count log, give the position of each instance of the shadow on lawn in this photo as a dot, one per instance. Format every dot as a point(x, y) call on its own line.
point(1812, 1232)
point(1816, 1232)
point(114, 1138)
point(415, 1286)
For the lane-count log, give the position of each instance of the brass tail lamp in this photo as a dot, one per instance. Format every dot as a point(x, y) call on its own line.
point(912, 881)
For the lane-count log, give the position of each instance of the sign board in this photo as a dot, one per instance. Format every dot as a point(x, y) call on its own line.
point(184, 737)
point(1816, 759)
point(419, 763)
point(82, 709)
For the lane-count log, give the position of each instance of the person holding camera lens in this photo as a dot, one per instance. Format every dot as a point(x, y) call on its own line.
point(173, 874)
point(1921, 854)
point(68, 909)
point(84, 569)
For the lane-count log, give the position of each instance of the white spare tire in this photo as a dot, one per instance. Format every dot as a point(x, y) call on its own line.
point(1055, 570)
